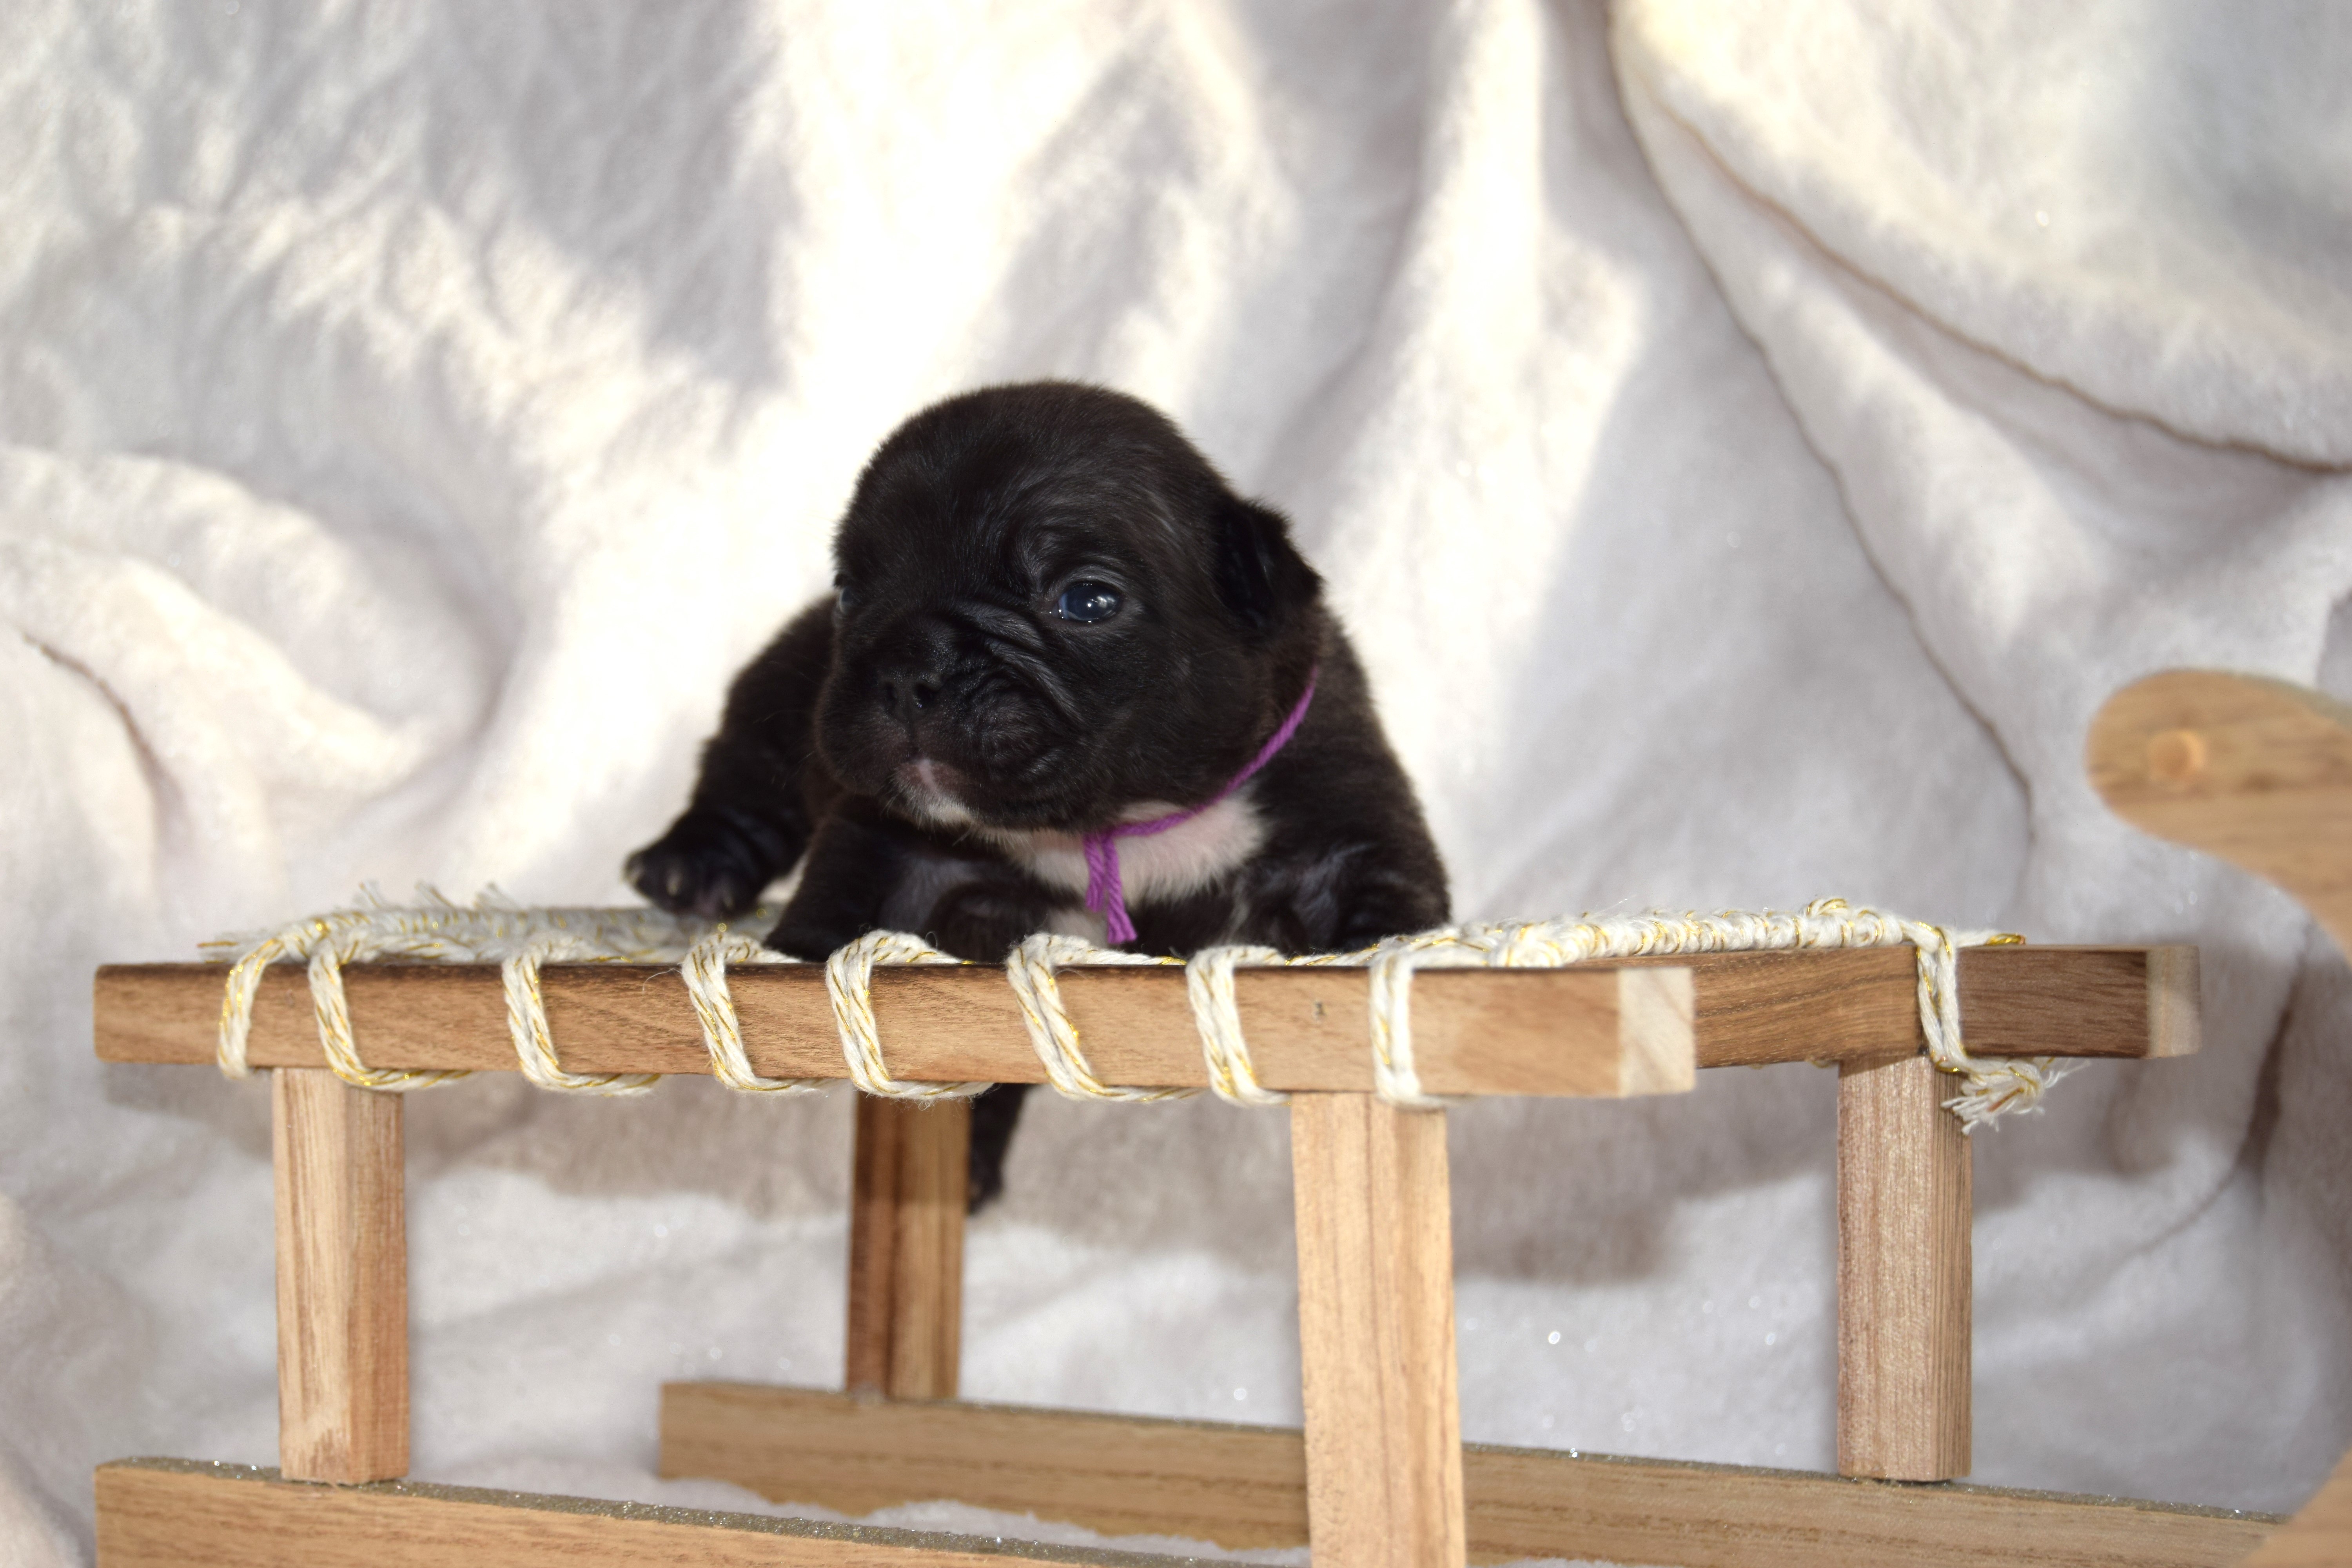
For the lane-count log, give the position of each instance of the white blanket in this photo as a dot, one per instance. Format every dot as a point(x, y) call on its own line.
point(1748, 442)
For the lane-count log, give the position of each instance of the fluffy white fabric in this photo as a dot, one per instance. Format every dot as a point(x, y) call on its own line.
point(1749, 442)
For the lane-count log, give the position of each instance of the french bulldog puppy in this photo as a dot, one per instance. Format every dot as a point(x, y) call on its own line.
point(1068, 680)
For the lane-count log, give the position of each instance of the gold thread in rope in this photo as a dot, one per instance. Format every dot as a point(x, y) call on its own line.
point(849, 982)
point(704, 971)
point(1209, 986)
point(534, 1043)
point(1030, 968)
point(333, 1010)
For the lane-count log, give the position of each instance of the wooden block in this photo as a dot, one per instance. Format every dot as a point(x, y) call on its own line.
point(1586, 1031)
point(2254, 771)
point(905, 1246)
point(1904, 1286)
point(1376, 1333)
point(1245, 1487)
point(177, 1513)
point(1754, 1009)
point(1240, 1487)
point(343, 1279)
point(2320, 1534)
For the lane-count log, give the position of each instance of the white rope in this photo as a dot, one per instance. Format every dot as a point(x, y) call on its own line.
point(1209, 986)
point(849, 980)
point(334, 1013)
point(1991, 1087)
point(520, 941)
point(438, 930)
point(1029, 967)
point(527, 1024)
point(704, 970)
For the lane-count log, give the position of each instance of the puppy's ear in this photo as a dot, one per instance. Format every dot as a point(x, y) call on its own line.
point(1261, 576)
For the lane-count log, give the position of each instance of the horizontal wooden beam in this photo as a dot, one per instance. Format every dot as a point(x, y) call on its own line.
point(1245, 1487)
point(1597, 1029)
point(181, 1513)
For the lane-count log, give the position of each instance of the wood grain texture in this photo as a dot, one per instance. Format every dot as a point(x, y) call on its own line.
point(905, 1246)
point(1239, 1487)
point(1245, 1487)
point(2175, 1014)
point(2260, 773)
point(174, 1514)
point(343, 1279)
point(1489, 1032)
point(2320, 1534)
point(1904, 1286)
point(2254, 771)
point(1376, 1333)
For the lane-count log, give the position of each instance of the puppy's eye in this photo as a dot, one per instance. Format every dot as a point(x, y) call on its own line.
point(1087, 602)
point(844, 594)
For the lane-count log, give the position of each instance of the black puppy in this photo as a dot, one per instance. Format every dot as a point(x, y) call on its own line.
point(1054, 624)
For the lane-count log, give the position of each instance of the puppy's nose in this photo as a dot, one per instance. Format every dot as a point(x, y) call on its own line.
point(906, 691)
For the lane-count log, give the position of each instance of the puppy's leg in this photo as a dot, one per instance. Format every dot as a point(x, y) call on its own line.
point(981, 920)
point(1344, 895)
point(1391, 901)
point(713, 862)
point(994, 1113)
point(760, 785)
point(854, 862)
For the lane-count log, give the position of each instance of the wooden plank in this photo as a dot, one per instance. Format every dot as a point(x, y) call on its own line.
point(2320, 1534)
point(905, 1246)
point(1245, 1487)
point(177, 1513)
point(343, 1279)
point(1240, 1487)
point(1376, 1333)
point(2254, 771)
point(1493, 1032)
point(1904, 1287)
point(1551, 1033)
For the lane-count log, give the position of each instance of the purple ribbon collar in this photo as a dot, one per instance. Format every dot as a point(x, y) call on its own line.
point(1105, 897)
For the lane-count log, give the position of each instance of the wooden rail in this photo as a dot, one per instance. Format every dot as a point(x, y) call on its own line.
point(1120, 1475)
point(1599, 1029)
point(1245, 1487)
point(181, 1513)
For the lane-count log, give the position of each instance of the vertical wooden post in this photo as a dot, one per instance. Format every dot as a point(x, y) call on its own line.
point(343, 1279)
point(905, 1246)
point(1376, 1333)
point(1904, 1287)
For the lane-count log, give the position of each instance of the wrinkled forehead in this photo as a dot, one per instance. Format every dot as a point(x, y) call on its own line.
point(1017, 511)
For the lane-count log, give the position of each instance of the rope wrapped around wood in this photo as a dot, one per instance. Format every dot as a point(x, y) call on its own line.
point(522, 940)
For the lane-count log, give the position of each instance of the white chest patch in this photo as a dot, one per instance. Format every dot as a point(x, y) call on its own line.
point(1152, 867)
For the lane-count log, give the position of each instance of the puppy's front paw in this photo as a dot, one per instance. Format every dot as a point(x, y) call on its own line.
point(706, 865)
point(807, 940)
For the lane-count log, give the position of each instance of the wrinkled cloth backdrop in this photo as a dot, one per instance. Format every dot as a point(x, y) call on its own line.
point(1747, 443)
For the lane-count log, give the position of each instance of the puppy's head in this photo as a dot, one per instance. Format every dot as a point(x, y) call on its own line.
point(1052, 607)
